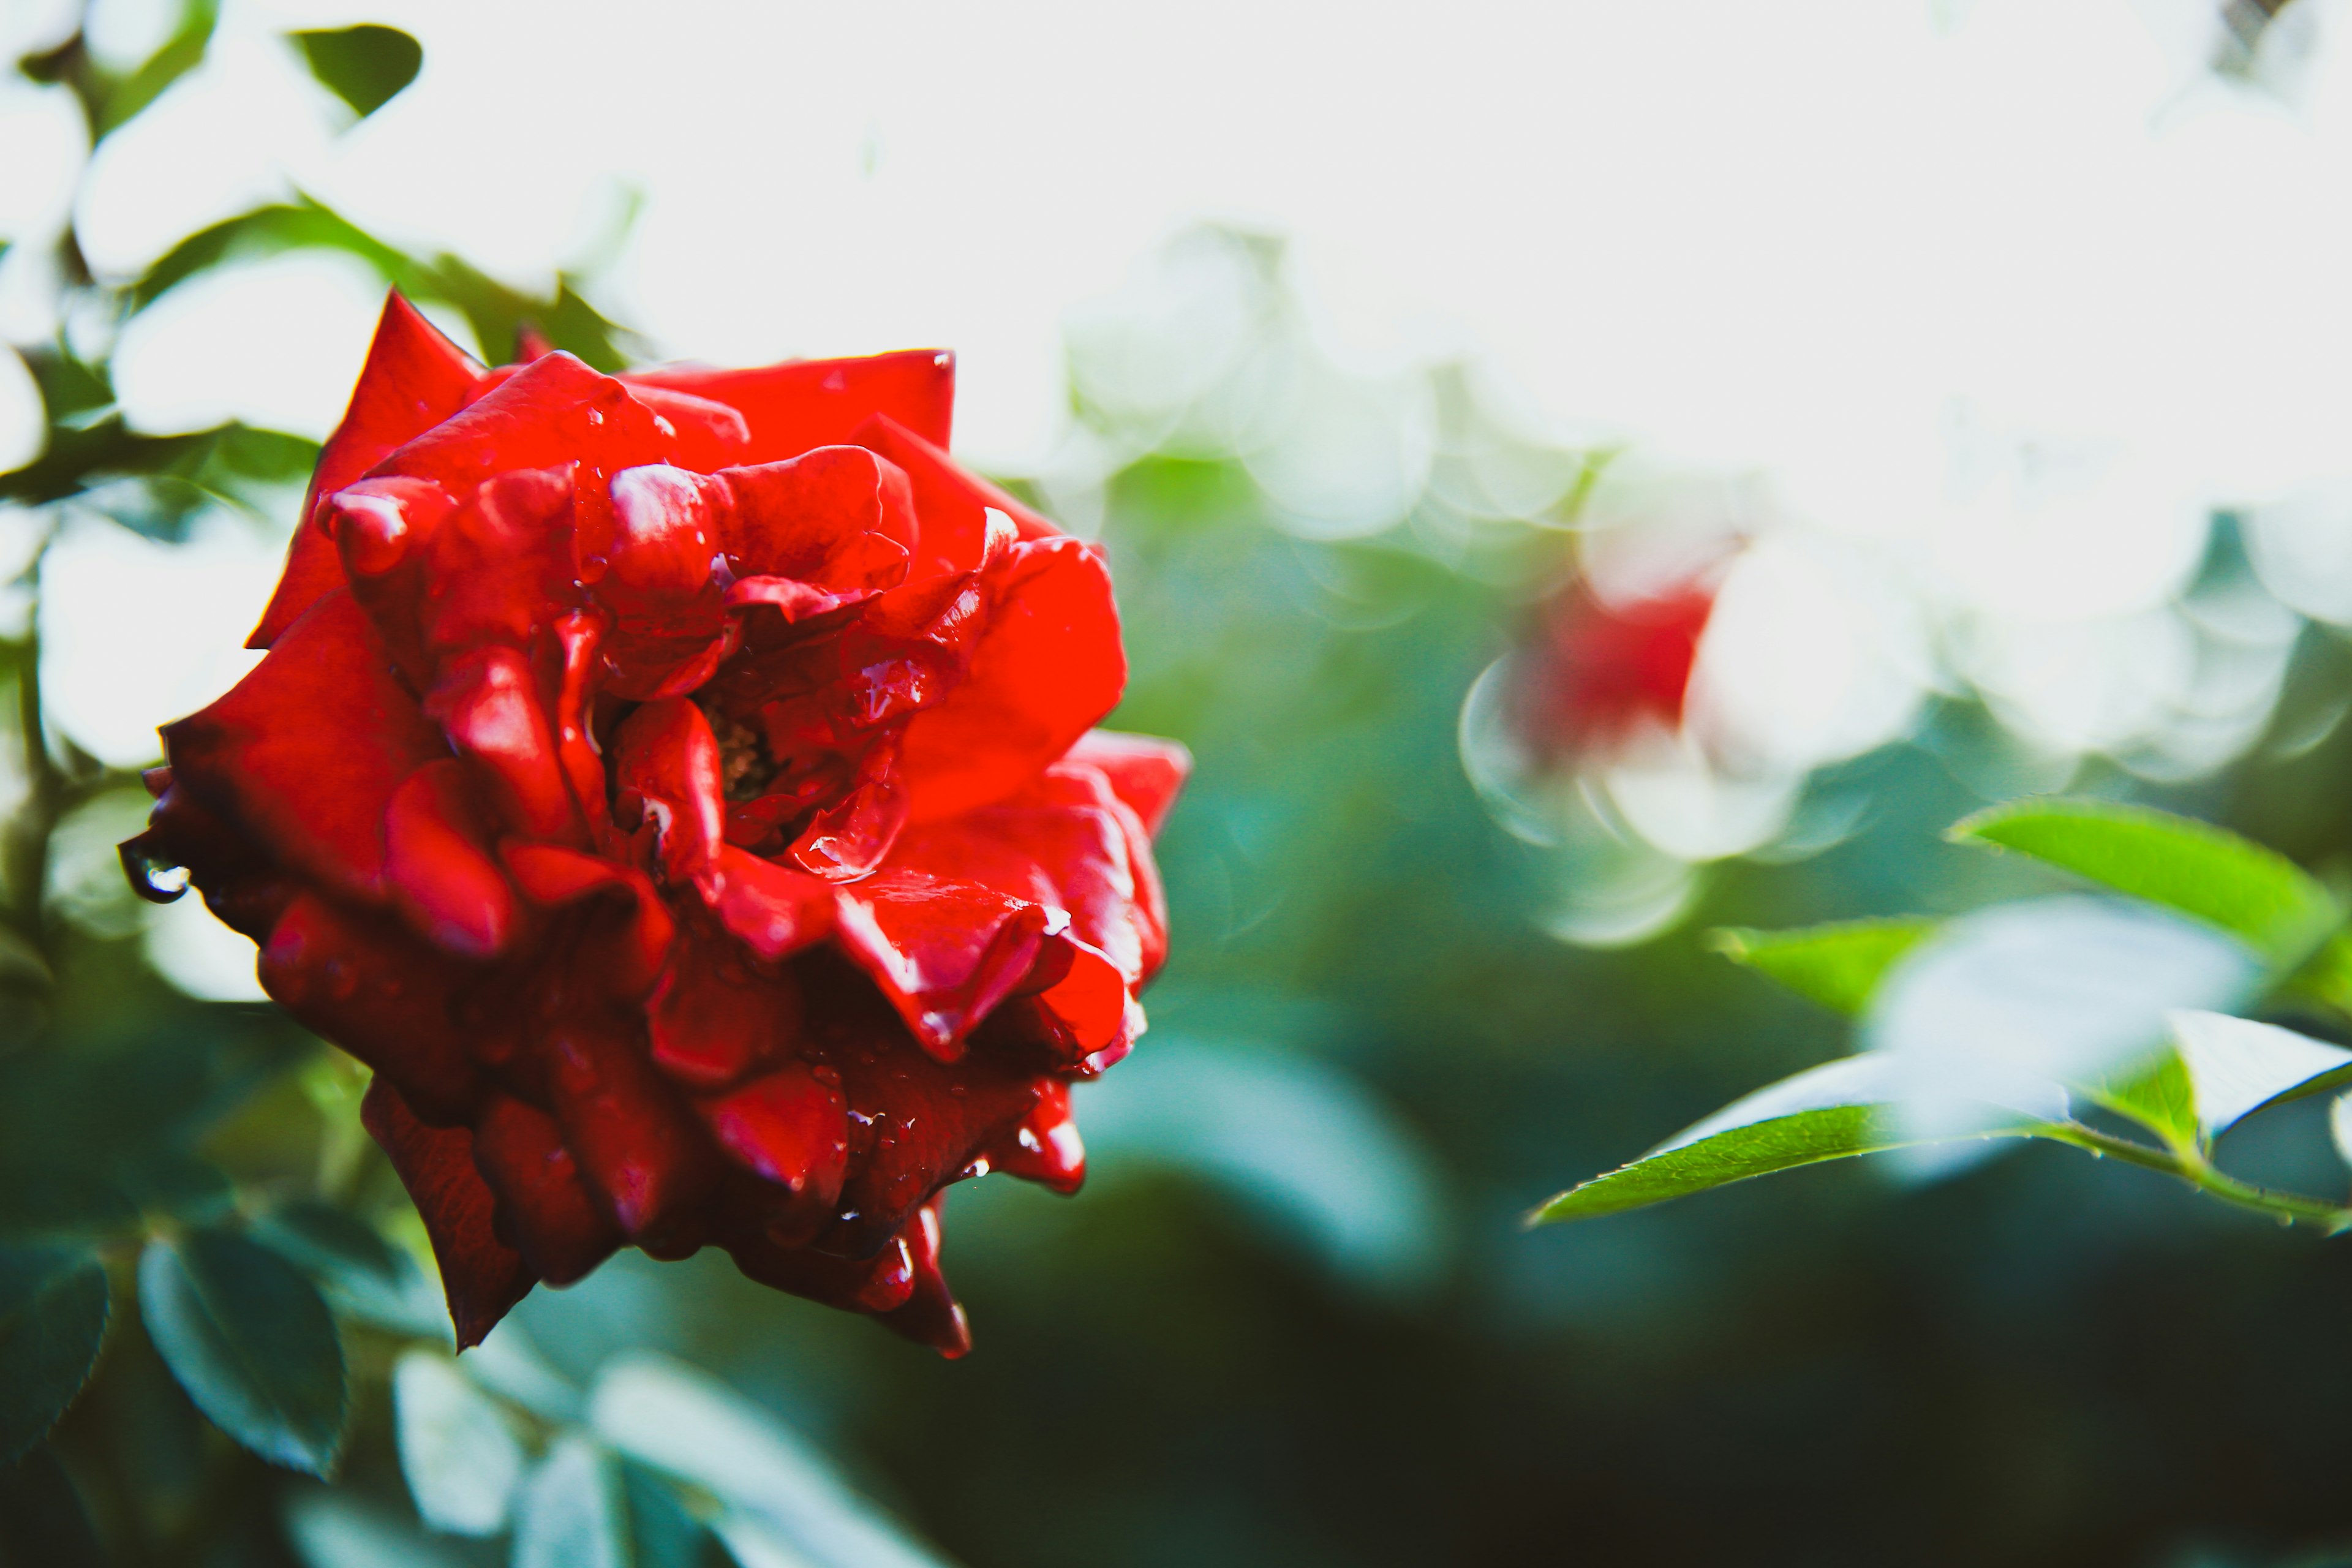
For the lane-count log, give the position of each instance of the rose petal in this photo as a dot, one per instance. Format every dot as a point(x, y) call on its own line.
point(668, 770)
point(635, 1139)
point(628, 960)
point(714, 1018)
point(878, 1284)
point(801, 404)
point(1144, 770)
point(1045, 1147)
point(772, 909)
point(1048, 665)
point(413, 379)
point(544, 1205)
point(953, 503)
point(788, 1126)
point(303, 756)
point(931, 1315)
point(439, 867)
point(488, 702)
point(482, 1276)
point(380, 993)
point(709, 434)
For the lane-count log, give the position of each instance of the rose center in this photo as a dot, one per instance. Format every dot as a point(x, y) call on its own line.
point(744, 766)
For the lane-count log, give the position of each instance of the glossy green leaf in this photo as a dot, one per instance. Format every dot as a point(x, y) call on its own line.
point(1837, 965)
point(2253, 893)
point(364, 65)
point(456, 1449)
point(570, 1513)
point(53, 1311)
point(252, 1343)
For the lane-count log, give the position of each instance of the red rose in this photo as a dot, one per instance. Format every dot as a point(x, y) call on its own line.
point(1598, 672)
point(679, 787)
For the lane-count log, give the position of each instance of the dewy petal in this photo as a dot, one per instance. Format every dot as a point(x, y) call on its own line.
point(488, 706)
point(439, 867)
point(303, 755)
point(625, 960)
point(1044, 1148)
point(380, 993)
point(1048, 665)
point(878, 1284)
point(413, 379)
point(943, 952)
point(483, 1277)
point(796, 517)
point(709, 435)
point(788, 1126)
point(1144, 770)
point(952, 503)
point(774, 910)
point(544, 1206)
point(915, 1123)
point(666, 528)
point(715, 1017)
point(667, 767)
point(931, 1316)
point(553, 412)
point(635, 1139)
point(802, 404)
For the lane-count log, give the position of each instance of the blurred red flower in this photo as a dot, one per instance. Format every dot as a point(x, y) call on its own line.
point(1597, 672)
point(679, 788)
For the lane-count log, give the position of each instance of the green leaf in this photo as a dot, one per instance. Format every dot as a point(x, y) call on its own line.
point(2159, 1096)
point(45, 1200)
point(42, 1521)
point(250, 1339)
point(1837, 965)
point(570, 1516)
point(364, 65)
point(662, 1534)
point(459, 1454)
point(364, 1276)
point(53, 1311)
point(2203, 871)
point(2236, 1066)
point(1833, 1111)
point(181, 54)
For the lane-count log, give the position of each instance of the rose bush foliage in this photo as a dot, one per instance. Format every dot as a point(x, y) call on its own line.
point(680, 788)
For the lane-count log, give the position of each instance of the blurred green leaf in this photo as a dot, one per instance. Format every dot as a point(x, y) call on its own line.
point(364, 1276)
point(180, 53)
point(1837, 965)
point(2236, 1066)
point(678, 1421)
point(457, 1447)
point(42, 1522)
point(662, 1534)
point(495, 311)
point(53, 1311)
point(329, 1528)
point(45, 1200)
point(2203, 871)
point(251, 1341)
point(364, 65)
point(569, 1516)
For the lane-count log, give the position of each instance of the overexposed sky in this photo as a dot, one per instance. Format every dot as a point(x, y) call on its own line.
point(1790, 234)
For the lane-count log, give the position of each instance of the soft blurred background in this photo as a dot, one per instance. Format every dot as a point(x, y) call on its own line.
point(1577, 476)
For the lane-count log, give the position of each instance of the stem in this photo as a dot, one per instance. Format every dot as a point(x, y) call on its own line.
point(2290, 1207)
point(29, 833)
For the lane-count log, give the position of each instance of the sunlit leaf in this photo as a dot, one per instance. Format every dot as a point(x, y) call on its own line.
point(2157, 1095)
point(568, 1516)
point(678, 1421)
point(2253, 893)
point(1837, 965)
point(2237, 1066)
point(364, 65)
point(250, 1339)
point(180, 53)
point(1833, 1111)
point(53, 1311)
point(460, 1454)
